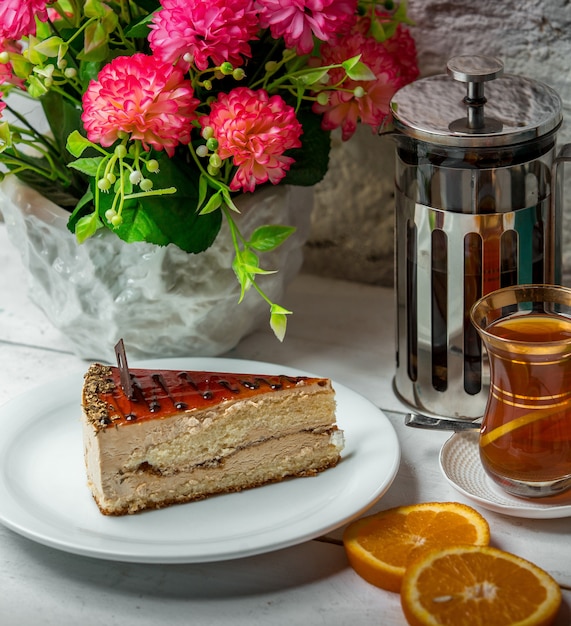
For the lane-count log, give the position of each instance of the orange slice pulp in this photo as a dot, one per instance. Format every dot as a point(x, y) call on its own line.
point(380, 546)
point(468, 585)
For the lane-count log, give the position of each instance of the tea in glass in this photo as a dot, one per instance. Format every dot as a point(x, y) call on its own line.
point(525, 440)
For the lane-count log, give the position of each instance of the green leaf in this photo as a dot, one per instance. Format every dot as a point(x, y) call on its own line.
point(360, 72)
point(202, 189)
point(110, 21)
point(64, 119)
point(248, 264)
point(94, 8)
point(138, 225)
point(278, 323)
point(312, 160)
point(75, 216)
point(5, 136)
point(276, 308)
point(390, 30)
point(89, 70)
point(248, 259)
point(95, 45)
point(266, 238)
point(50, 47)
point(87, 226)
point(213, 204)
point(310, 77)
point(36, 87)
point(244, 278)
point(400, 15)
point(89, 166)
point(278, 320)
point(377, 31)
point(77, 143)
point(351, 63)
point(228, 201)
point(254, 269)
point(21, 67)
point(140, 28)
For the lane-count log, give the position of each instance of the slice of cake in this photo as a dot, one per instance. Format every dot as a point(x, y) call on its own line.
point(178, 436)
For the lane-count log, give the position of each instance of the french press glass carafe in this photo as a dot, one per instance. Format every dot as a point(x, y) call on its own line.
point(475, 210)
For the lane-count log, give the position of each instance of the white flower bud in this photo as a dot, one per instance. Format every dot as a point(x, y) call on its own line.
point(135, 177)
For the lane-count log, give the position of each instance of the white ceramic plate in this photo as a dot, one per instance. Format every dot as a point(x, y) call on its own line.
point(44, 496)
point(460, 464)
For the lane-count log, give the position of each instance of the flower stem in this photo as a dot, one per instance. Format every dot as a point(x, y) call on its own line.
point(32, 130)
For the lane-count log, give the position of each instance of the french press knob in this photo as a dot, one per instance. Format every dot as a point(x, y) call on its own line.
point(475, 71)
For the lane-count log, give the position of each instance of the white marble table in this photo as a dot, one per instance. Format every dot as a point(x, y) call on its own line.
point(339, 329)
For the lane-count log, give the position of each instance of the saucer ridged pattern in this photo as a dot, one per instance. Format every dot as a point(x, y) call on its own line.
point(461, 466)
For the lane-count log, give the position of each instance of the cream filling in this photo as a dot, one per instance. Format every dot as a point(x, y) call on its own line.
point(270, 460)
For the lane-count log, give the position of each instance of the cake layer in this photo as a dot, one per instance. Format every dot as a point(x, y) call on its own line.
point(179, 436)
point(296, 455)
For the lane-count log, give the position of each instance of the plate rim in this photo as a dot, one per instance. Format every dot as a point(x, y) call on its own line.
point(518, 509)
point(16, 520)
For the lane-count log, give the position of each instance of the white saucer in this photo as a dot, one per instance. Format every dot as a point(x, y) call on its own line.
point(460, 464)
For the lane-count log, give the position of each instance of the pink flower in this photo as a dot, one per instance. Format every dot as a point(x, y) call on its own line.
point(344, 108)
point(401, 46)
point(298, 20)
point(17, 17)
point(254, 129)
point(141, 96)
point(204, 29)
point(2, 104)
point(403, 49)
point(6, 73)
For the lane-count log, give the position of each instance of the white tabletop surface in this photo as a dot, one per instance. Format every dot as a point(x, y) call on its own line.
point(339, 329)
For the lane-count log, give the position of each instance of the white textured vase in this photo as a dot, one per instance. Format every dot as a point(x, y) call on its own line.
point(160, 300)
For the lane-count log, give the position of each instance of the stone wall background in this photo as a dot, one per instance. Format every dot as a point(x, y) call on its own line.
point(352, 223)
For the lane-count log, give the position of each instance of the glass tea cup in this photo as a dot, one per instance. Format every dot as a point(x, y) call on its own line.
point(525, 439)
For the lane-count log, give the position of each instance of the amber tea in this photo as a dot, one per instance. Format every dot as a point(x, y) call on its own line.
point(525, 441)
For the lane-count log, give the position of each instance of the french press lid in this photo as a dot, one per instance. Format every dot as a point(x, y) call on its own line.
point(476, 105)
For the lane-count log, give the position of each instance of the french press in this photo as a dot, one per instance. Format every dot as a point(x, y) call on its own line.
point(476, 209)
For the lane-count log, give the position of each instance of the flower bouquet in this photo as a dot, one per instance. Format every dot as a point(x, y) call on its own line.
point(160, 113)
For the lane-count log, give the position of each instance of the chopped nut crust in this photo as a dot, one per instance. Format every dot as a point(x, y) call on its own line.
point(97, 381)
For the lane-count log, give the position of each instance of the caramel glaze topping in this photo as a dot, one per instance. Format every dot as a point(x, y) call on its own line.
point(157, 393)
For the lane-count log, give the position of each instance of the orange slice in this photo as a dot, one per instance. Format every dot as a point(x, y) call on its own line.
point(467, 585)
point(380, 546)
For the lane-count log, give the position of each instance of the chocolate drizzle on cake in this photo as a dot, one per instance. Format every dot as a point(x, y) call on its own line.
point(159, 380)
point(206, 393)
point(154, 394)
point(228, 385)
